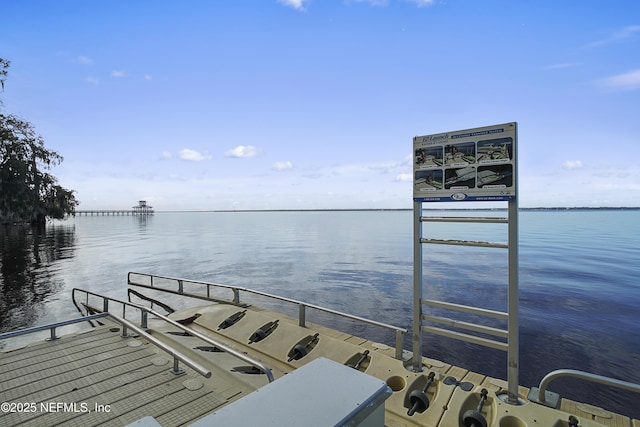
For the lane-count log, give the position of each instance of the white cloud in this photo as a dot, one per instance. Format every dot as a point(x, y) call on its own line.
point(617, 36)
point(166, 155)
point(93, 80)
point(626, 81)
point(84, 60)
point(372, 2)
point(561, 65)
point(404, 177)
point(117, 74)
point(193, 155)
point(281, 166)
point(421, 3)
point(242, 151)
point(380, 3)
point(296, 4)
point(572, 164)
point(147, 77)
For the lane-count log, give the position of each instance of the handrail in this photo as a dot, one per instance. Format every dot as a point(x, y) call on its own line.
point(587, 376)
point(400, 332)
point(166, 348)
point(145, 310)
point(126, 324)
point(52, 327)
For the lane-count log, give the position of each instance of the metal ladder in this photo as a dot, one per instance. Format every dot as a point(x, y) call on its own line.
point(509, 337)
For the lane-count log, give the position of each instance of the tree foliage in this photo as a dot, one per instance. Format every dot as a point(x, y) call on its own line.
point(28, 192)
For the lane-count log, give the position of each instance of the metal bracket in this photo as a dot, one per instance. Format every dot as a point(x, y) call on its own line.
point(551, 399)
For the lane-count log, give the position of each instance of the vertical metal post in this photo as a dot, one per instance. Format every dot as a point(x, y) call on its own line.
point(513, 352)
point(302, 314)
point(399, 344)
point(143, 319)
point(176, 367)
point(513, 338)
point(180, 286)
point(417, 287)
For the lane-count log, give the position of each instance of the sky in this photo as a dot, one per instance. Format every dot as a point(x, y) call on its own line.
point(313, 104)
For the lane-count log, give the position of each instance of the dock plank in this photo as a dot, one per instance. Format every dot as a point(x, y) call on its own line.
point(90, 372)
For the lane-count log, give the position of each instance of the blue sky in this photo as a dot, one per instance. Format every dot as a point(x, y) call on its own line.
point(296, 104)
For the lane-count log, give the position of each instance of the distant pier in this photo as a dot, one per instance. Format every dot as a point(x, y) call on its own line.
point(142, 209)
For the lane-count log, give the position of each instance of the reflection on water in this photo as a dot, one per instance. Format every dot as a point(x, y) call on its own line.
point(29, 260)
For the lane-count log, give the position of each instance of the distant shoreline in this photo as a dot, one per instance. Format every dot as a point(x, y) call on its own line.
point(408, 209)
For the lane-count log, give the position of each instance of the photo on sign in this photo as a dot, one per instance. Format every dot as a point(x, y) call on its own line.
point(460, 154)
point(429, 157)
point(460, 178)
point(495, 150)
point(428, 180)
point(495, 176)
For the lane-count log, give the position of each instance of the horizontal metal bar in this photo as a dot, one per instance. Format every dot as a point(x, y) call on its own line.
point(464, 243)
point(501, 333)
point(189, 294)
point(272, 296)
point(625, 385)
point(466, 337)
point(466, 309)
point(495, 220)
point(166, 348)
point(51, 325)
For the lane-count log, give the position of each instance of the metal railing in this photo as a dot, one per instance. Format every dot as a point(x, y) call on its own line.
point(542, 396)
point(236, 290)
point(177, 356)
point(145, 311)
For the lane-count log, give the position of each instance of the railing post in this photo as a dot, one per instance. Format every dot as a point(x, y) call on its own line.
point(53, 336)
point(302, 315)
point(399, 344)
point(180, 286)
point(236, 296)
point(143, 319)
point(105, 305)
point(176, 367)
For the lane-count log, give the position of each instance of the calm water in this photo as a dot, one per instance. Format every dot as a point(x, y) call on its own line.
point(579, 277)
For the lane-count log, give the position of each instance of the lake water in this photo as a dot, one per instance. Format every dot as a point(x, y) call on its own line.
point(579, 277)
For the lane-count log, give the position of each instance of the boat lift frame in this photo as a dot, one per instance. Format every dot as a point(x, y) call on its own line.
point(511, 334)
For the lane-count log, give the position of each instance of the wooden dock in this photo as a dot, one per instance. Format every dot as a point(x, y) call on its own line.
point(114, 212)
point(141, 209)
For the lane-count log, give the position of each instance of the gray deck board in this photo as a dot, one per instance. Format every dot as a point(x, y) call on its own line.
point(101, 368)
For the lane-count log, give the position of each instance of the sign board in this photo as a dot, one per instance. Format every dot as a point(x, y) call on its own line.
point(467, 165)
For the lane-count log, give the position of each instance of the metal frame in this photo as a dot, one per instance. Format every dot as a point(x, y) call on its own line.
point(511, 346)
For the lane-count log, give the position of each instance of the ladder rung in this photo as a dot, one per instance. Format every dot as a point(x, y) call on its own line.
point(497, 220)
point(464, 243)
point(466, 309)
point(468, 338)
point(501, 333)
